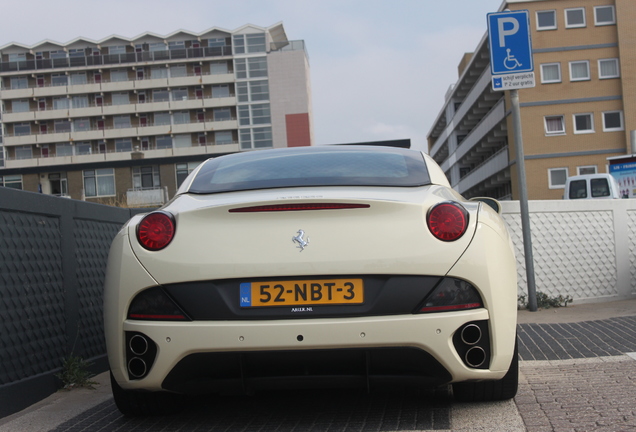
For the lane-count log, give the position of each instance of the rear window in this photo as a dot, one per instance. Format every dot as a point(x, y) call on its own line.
point(600, 188)
point(578, 189)
point(312, 166)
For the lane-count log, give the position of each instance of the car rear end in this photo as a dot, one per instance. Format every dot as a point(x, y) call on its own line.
point(342, 285)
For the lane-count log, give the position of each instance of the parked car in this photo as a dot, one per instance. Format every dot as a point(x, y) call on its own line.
point(591, 186)
point(339, 266)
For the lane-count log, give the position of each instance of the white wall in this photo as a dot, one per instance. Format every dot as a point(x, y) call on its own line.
point(582, 248)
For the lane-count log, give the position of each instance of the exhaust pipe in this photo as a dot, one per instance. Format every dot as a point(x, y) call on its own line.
point(475, 356)
point(471, 334)
point(138, 345)
point(137, 367)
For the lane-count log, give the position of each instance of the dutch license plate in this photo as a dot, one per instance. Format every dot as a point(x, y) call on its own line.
point(312, 292)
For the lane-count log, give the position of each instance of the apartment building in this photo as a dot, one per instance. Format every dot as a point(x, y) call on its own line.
point(124, 120)
point(579, 114)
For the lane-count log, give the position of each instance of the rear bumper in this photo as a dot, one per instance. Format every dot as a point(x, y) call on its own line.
point(201, 350)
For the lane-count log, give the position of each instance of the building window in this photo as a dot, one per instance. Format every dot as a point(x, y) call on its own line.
point(244, 115)
point(181, 141)
point(21, 105)
point(83, 148)
point(255, 42)
point(261, 114)
point(163, 142)
point(80, 101)
point(583, 170)
point(162, 118)
point(180, 94)
point(120, 99)
point(117, 49)
point(240, 68)
point(24, 152)
point(223, 137)
point(546, 20)
point(11, 181)
point(181, 117)
point(256, 138)
point(218, 68)
point(222, 114)
point(118, 75)
point(239, 44)
point(583, 123)
point(608, 68)
point(161, 95)
point(250, 43)
point(61, 103)
point(604, 15)
point(62, 126)
point(81, 125)
point(575, 18)
point(257, 67)
point(216, 42)
point(146, 177)
point(554, 125)
point(22, 129)
point(121, 122)
point(579, 70)
point(176, 45)
point(254, 67)
point(183, 170)
point(551, 73)
point(59, 80)
point(63, 149)
point(557, 178)
point(158, 72)
point(78, 78)
point(178, 71)
point(123, 145)
point(99, 182)
point(19, 83)
point(156, 46)
point(612, 121)
point(220, 90)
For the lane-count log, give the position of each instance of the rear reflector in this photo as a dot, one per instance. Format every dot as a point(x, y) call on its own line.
point(297, 207)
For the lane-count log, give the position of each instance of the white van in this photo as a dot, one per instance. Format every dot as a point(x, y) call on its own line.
point(591, 186)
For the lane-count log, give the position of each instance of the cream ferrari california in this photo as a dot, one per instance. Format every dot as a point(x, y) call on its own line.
point(338, 266)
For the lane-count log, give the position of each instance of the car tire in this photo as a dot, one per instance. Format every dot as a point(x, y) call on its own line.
point(486, 391)
point(137, 403)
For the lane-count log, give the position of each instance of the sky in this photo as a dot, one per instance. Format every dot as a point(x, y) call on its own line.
point(379, 68)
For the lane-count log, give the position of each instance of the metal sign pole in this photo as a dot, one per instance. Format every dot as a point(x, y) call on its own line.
point(523, 201)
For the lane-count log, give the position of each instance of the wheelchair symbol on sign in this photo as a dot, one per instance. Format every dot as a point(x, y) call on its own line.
point(510, 62)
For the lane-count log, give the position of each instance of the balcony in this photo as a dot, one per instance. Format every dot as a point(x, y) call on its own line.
point(119, 156)
point(146, 197)
point(175, 55)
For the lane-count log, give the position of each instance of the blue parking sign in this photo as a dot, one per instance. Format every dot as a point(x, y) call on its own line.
point(510, 42)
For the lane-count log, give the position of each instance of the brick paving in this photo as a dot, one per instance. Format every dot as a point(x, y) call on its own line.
point(574, 377)
point(597, 394)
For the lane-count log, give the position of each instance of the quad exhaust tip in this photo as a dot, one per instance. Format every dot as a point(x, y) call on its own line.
point(475, 356)
point(471, 334)
point(137, 367)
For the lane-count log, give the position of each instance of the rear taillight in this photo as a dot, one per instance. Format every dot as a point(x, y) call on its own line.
point(447, 221)
point(452, 295)
point(155, 304)
point(156, 230)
